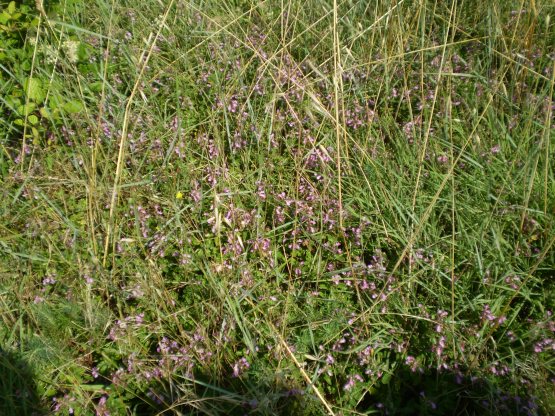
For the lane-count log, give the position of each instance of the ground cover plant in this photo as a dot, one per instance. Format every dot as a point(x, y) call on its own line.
point(291, 207)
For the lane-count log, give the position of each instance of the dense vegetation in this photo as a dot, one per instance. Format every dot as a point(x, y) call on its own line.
point(292, 207)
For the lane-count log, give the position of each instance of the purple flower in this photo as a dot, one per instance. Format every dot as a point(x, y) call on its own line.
point(351, 381)
point(49, 280)
point(349, 384)
point(442, 159)
point(240, 367)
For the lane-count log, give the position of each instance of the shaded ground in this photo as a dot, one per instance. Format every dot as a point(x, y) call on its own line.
point(18, 390)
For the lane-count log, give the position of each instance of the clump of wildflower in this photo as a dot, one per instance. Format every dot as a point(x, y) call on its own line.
point(61, 403)
point(413, 364)
point(351, 381)
point(120, 327)
point(545, 344)
point(442, 159)
point(240, 367)
point(50, 54)
point(101, 407)
point(499, 370)
point(260, 190)
point(71, 48)
point(513, 282)
point(88, 279)
point(48, 280)
point(262, 245)
point(438, 349)
point(195, 193)
point(488, 316)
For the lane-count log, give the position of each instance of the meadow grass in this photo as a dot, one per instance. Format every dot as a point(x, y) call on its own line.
point(288, 207)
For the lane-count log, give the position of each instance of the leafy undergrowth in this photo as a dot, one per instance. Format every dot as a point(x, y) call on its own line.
point(300, 208)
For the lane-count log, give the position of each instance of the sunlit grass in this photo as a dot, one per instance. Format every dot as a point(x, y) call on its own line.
point(319, 207)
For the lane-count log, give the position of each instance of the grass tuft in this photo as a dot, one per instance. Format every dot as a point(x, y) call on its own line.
point(300, 208)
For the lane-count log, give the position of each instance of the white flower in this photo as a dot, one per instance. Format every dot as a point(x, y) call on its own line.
point(70, 48)
point(50, 54)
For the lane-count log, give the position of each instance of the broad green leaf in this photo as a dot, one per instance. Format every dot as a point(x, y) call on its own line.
point(26, 109)
point(45, 112)
point(4, 18)
point(73, 106)
point(11, 7)
point(33, 88)
point(96, 86)
point(55, 101)
point(386, 378)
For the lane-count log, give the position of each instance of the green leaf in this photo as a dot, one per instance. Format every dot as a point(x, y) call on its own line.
point(92, 387)
point(12, 101)
point(73, 106)
point(33, 89)
point(11, 7)
point(33, 119)
point(386, 378)
point(4, 18)
point(26, 109)
point(44, 112)
point(55, 101)
point(50, 391)
point(96, 86)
